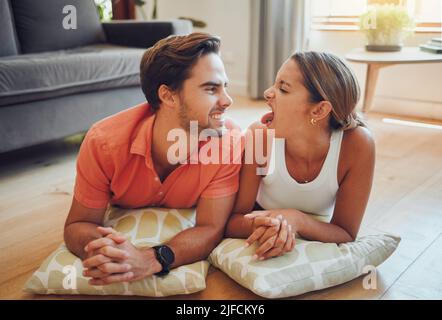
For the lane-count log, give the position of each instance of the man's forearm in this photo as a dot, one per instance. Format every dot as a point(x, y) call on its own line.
point(78, 234)
point(194, 244)
point(189, 246)
point(238, 226)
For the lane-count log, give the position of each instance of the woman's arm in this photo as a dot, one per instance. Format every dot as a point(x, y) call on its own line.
point(238, 226)
point(352, 196)
point(351, 202)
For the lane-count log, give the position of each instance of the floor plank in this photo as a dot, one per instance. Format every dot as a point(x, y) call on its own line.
point(427, 269)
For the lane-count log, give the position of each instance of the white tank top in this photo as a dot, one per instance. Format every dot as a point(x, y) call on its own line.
point(278, 190)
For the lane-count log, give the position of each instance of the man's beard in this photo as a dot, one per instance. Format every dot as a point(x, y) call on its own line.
point(183, 117)
point(184, 120)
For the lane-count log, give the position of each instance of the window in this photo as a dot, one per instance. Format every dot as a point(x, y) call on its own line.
point(343, 14)
point(104, 8)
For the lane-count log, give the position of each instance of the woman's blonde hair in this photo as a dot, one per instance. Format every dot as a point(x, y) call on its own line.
point(327, 77)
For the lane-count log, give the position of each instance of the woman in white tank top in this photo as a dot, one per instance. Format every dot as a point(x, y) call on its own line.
point(322, 160)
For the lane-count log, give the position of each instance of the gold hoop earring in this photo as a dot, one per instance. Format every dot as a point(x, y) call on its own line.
point(313, 121)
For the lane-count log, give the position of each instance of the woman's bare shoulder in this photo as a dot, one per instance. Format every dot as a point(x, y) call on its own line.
point(357, 144)
point(359, 139)
point(257, 129)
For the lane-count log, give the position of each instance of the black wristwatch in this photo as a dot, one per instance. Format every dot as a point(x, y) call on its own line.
point(165, 257)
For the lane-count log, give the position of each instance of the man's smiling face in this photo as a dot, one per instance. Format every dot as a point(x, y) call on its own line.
point(203, 96)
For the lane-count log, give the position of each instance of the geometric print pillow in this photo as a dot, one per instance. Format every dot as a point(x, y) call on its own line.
point(62, 272)
point(310, 266)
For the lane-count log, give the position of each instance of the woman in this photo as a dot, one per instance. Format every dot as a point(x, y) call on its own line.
point(323, 160)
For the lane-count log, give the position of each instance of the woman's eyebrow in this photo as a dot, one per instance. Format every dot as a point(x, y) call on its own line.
point(284, 83)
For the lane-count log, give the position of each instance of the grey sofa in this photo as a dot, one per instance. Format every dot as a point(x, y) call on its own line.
point(55, 82)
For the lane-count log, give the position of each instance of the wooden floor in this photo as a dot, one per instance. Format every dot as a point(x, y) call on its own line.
point(36, 189)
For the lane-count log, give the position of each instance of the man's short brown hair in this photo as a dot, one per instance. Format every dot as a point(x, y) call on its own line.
point(170, 61)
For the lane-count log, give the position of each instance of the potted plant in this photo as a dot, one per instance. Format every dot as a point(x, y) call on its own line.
point(385, 27)
point(104, 8)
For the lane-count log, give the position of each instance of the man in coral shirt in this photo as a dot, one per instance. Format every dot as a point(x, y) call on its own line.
point(124, 161)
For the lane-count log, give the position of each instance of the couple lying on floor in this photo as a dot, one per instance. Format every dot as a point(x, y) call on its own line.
point(322, 160)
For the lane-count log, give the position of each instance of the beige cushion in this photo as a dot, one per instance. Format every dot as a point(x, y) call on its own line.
point(144, 227)
point(310, 266)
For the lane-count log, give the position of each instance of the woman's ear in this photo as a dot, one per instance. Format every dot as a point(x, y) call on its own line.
point(167, 96)
point(321, 110)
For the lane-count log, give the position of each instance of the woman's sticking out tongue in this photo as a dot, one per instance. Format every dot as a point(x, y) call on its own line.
point(267, 118)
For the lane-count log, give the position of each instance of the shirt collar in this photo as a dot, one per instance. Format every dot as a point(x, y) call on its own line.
point(142, 142)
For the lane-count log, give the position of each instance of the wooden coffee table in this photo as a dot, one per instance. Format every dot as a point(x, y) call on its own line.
point(378, 60)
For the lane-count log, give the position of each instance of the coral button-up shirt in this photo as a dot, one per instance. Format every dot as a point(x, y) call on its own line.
point(114, 165)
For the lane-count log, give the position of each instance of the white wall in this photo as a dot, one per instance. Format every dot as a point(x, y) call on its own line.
point(228, 19)
point(412, 89)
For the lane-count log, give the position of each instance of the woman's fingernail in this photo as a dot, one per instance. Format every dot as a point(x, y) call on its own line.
point(284, 222)
point(246, 244)
point(290, 227)
point(279, 217)
point(275, 221)
point(85, 248)
point(255, 257)
point(261, 258)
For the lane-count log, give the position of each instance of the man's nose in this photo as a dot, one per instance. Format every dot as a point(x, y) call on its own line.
point(225, 100)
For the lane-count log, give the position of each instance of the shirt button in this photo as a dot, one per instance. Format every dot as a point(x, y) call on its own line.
point(156, 179)
point(160, 193)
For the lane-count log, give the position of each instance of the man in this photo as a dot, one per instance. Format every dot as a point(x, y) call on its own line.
point(123, 161)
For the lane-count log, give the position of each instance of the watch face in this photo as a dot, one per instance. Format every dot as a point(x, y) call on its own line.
point(167, 254)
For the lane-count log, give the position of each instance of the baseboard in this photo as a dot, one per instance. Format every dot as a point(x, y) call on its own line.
point(407, 107)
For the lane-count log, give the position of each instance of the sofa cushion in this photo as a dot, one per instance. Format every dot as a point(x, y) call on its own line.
point(32, 77)
point(8, 39)
point(40, 24)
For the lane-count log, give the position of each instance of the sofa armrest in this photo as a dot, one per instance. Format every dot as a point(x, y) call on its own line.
point(143, 34)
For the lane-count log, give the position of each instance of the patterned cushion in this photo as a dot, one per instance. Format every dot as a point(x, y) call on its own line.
point(144, 227)
point(310, 266)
